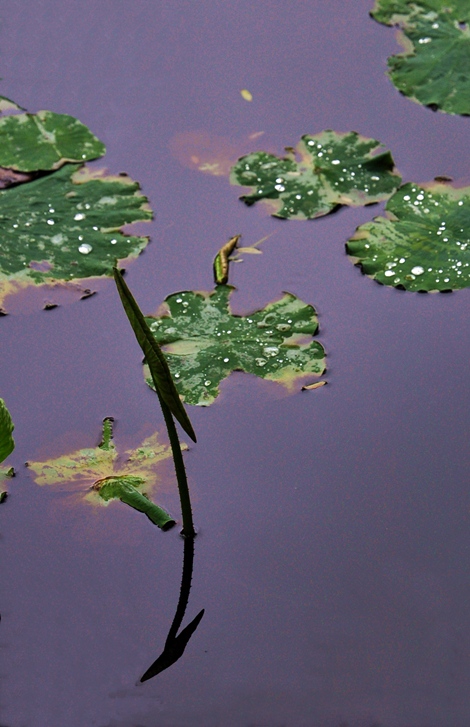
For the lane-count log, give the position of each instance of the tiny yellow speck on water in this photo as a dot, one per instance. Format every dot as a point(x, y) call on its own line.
point(246, 95)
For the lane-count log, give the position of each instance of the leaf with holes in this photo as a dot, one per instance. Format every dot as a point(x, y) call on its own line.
point(434, 68)
point(66, 226)
point(100, 476)
point(323, 172)
point(45, 141)
point(424, 242)
point(204, 342)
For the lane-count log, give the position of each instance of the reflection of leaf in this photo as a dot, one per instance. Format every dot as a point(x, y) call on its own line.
point(44, 141)
point(66, 226)
point(99, 473)
point(334, 169)
point(7, 444)
point(204, 342)
point(434, 69)
point(423, 244)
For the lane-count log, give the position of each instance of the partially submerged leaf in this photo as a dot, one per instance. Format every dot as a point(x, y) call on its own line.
point(204, 342)
point(66, 226)
point(100, 475)
point(221, 260)
point(6, 104)
point(434, 69)
point(424, 242)
point(333, 169)
point(7, 444)
point(156, 361)
point(45, 141)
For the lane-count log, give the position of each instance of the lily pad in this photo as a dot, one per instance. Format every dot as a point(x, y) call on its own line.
point(100, 475)
point(45, 141)
point(424, 242)
point(7, 444)
point(204, 341)
point(66, 226)
point(332, 169)
point(434, 68)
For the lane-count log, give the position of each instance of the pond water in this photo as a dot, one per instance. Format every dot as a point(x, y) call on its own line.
point(334, 526)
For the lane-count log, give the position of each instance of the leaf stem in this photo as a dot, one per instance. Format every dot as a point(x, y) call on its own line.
point(183, 489)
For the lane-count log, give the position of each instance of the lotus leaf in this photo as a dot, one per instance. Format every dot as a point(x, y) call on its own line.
point(45, 141)
point(424, 242)
point(101, 476)
point(204, 341)
point(333, 169)
point(66, 225)
point(434, 69)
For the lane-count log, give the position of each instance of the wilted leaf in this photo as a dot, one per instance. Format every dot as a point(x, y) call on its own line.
point(435, 66)
point(333, 169)
point(204, 342)
point(424, 242)
point(7, 444)
point(45, 141)
point(66, 226)
point(101, 475)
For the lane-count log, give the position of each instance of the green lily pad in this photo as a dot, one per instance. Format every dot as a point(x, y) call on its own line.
point(333, 169)
point(424, 242)
point(66, 226)
point(204, 341)
point(7, 444)
point(45, 141)
point(434, 69)
point(99, 475)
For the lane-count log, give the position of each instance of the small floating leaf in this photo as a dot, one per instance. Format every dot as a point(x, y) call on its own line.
point(204, 342)
point(246, 94)
point(99, 476)
point(7, 444)
point(221, 261)
point(434, 70)
point(334, 169)
point(66, 226)
point(317, 385)
point(424, 242)
point(45, 141)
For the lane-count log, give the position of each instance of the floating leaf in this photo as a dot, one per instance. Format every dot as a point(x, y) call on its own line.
point(45, 141)
point(334, 169)
point(7, 444)
point(204, 342)
point(66, 226)
point(221, 260)
point(435, 66)
point(424, 242)
point(6, 104)
point(99, 474)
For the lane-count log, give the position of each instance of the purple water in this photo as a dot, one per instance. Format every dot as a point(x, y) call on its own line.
point(333, 549)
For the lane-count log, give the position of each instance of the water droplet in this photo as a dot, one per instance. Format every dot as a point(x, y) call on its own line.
point(79, 216)
point(85, 248)
point(261, 361)
point(279, 188)
point(95, 228)
point(113, 242)
point(389, 273)
point(179, 300)
point(177, 376)
point(50, 222)
point(207, 383)
point(226, 360)
point(417, 270)
point(335, 161)
point(270, 351)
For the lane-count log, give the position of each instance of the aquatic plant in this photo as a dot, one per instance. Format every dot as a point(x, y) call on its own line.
point(168, 396)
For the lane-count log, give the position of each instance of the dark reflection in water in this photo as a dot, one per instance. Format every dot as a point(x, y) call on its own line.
point(176, 644)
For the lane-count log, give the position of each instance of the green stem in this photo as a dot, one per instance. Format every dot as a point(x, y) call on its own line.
point(183, 489)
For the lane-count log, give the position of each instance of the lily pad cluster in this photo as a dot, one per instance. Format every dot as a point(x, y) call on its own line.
point(434, 68)
point(324, 171)
point(423, 244)
point(100, 475)
point(60, 221)
point(204, 341)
